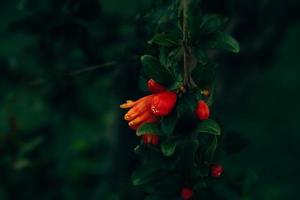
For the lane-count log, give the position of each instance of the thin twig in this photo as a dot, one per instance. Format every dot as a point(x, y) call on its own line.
point(74, 73)
point(88, 69)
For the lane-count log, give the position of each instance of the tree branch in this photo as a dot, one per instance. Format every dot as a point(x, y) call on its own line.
point(184, 40)
point(189, 61)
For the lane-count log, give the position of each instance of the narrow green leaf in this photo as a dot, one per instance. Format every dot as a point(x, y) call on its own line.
point(212, 23)
point(148, 128)
point(145, 174)
point(201, 56)
point(165, 40)
point(153, 69)
point(225, 42)
point(170, 28)
point(168, 147)
point(212, 148)
point(209, 126)
point(168, 123)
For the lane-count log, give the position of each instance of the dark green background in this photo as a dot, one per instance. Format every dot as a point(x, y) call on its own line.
point(66, 65)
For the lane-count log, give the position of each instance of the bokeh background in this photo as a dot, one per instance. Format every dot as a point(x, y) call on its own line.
point(66, 65)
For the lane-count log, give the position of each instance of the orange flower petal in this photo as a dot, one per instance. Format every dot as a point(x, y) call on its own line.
point(128, 104)
point(136, 111)
point(142, 118)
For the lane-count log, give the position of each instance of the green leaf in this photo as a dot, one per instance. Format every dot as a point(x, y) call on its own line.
point(153, 69)
point(168, 147)
point(170, 58)
point(212, 148)
point(145, 173)
point(209, 126)
point(148, 128)
point(168, 123)
point(212, 23)
point(202, 57)
point(170, 28)
point(225, 42)
point(165, 40)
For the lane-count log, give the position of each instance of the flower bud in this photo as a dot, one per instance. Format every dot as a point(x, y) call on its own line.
point(155, 87)
point(202, 111)
point(186, 193)
point(216, 170)
point(205, 93)
point(163, 103)
point(150, 139)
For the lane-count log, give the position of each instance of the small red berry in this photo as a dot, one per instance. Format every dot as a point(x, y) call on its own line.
point(202, 110)
point(155, 87)
point(163, 103)
point(216, 170)
point(186, 193)
point(150, 139)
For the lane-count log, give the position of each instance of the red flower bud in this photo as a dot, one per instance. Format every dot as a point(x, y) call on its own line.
point(216, 171)
point(163, 103)
point(155, 87)
point(186, 193)
point(202, 110)
point(150, 139)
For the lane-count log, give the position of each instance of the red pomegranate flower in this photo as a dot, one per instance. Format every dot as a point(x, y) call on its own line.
point(163, 103)
point(155, 87)
point(148, 108)
point(140, 112)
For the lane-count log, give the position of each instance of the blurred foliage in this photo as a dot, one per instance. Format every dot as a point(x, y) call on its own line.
point(65, 65)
